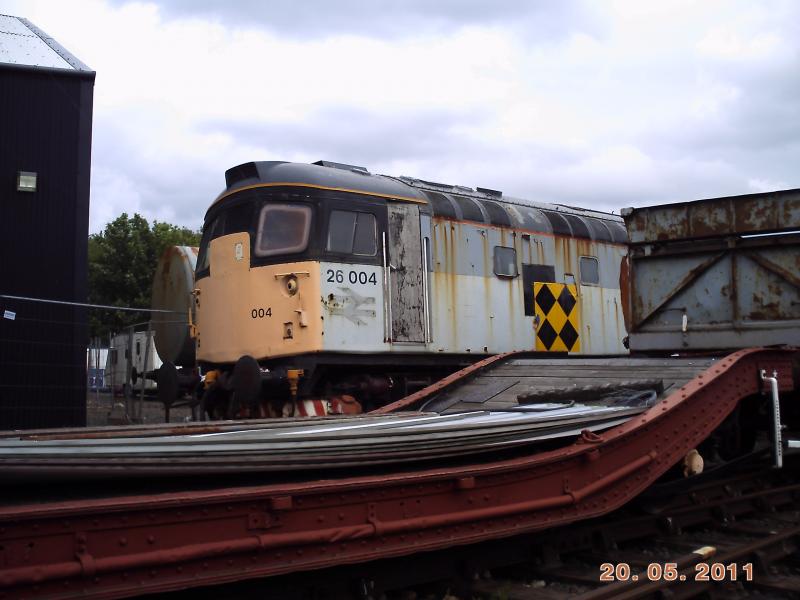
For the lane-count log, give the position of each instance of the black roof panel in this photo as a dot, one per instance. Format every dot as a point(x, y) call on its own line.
point(441, 205)
point(275, 172)
point(497, 214)
point(469, 209)
point(449, 202)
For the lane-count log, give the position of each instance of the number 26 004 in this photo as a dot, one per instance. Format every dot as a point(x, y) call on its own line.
point(340, 276)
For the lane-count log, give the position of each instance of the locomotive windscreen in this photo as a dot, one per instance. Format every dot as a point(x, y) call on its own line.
point(283, 229)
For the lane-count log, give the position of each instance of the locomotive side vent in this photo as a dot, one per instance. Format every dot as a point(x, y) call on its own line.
point(489, 192)
point(343, 166)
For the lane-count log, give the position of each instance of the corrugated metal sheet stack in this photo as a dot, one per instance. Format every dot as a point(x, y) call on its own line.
point(301, 444)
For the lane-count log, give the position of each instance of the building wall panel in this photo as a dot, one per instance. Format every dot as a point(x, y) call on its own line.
point(45, 120)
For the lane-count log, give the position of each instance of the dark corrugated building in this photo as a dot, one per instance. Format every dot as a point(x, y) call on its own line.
point(45, 149)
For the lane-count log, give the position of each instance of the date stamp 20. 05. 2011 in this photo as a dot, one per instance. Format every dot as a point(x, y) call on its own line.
point(668, 571)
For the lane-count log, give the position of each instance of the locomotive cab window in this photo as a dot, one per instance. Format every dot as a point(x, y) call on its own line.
point(233, 219)
point(352, 232)
point(283, 229)
point(590, 270)
point(505, 262)
point(210, 231)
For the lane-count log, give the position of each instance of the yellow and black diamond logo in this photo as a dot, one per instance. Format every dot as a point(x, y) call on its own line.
point(556, 306)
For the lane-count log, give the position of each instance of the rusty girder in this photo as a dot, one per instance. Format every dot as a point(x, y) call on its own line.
point(121, 546)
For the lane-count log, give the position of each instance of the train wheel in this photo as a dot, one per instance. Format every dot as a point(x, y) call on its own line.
point(213, 404)
point(246, 381)
point(232, 407)
point(198, 414)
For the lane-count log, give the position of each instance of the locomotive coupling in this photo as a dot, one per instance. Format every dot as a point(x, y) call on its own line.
point(293, 376)
point(210, 378)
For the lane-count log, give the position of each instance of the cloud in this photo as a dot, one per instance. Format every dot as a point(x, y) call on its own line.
point(380, 19)
point(598, 105)
point(350, 134)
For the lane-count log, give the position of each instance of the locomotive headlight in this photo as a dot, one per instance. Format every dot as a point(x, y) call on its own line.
point(291, 285)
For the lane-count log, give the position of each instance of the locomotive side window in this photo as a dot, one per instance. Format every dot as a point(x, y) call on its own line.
point(238, 218)
point(505, 261)
point(365, 242)
point(590, 270)
point(352, 232)
point(282, 229)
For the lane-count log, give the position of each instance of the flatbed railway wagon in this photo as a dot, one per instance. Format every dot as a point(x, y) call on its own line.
point(133, 515)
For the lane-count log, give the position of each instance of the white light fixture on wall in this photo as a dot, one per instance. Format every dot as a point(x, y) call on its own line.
point(26, 181)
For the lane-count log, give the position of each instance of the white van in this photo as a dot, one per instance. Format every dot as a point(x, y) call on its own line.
point(130, 349)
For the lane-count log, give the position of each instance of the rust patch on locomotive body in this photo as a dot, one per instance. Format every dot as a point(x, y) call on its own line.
point(445, 261)
point(625, 291)
point(488, 268)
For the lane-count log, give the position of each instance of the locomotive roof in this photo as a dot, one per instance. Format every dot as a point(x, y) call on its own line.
point(479, 205)
point(328, 177)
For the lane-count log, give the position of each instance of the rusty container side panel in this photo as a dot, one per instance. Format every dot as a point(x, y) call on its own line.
point(735, 215)
point(715, 274)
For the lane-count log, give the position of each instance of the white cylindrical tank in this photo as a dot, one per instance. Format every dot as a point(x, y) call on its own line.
point(172, 290)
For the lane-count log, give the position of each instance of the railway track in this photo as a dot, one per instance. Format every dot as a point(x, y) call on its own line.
point(733, 533)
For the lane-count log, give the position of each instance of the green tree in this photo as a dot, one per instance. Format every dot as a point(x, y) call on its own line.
point(122, 263)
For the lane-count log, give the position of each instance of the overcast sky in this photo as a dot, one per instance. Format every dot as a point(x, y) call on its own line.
point(594, 104)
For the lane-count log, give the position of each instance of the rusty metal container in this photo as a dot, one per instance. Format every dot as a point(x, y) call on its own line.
point(714, 274)
point(172, 290)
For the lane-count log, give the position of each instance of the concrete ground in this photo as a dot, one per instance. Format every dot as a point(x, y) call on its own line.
point(102, 409)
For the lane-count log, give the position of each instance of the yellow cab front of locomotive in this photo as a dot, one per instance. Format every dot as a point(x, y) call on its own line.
point(267, 311)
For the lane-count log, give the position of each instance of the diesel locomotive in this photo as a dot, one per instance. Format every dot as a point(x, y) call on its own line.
point(322, 288)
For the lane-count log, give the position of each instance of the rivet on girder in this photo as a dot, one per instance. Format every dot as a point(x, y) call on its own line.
point(592, 455)
point(465, 483)
point(280, 503)
point(259, 521)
